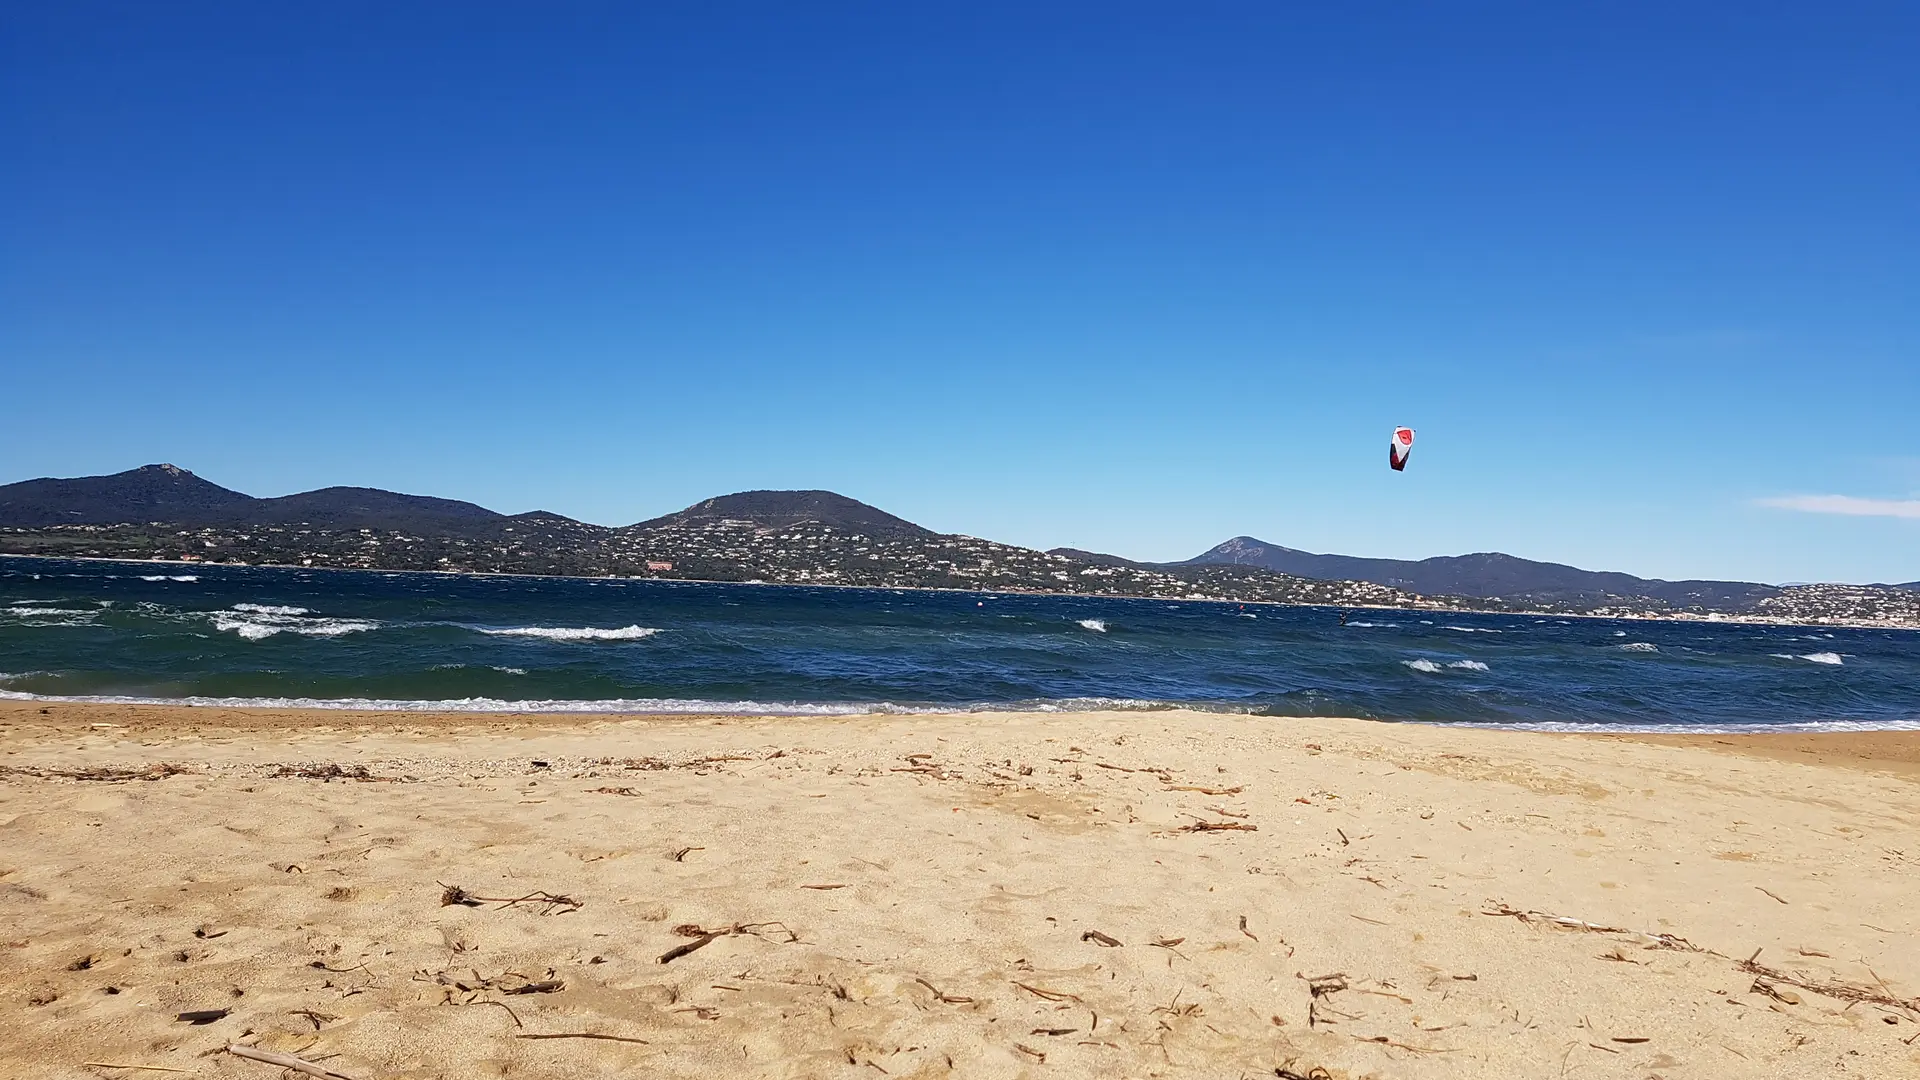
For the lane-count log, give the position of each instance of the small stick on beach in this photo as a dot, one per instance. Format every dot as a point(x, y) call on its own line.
point(285, 1061)
point(679, 951)
point(944, 998)
point(585, 1035)
point(1208, 790)
point(1049, 995)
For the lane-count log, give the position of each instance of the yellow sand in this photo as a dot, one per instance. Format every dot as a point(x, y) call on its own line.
point(934, 896)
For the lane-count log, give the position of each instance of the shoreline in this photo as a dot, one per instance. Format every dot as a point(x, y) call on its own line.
point(1721, 620)
point(1891, 749)
point(998, 895)
point(592, 711)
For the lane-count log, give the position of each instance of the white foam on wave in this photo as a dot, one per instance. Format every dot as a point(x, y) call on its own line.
point(573, 633)
point(1619, 633)
point(509, 670)
point(502, 705)
point(162, 577)
point(1639, 646)
point(272, 609)
point(673, 706)
point(1422, 665)
point(257, 626)
point(1472, 629)
point(28, 612)
point(1098, 626)
point(1833, 659)
point(1469, 665)
point(1381, 625)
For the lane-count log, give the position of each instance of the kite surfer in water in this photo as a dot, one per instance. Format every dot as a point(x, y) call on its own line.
point(1343, 616)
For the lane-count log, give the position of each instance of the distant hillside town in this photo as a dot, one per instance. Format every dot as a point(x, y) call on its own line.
point(822, 538)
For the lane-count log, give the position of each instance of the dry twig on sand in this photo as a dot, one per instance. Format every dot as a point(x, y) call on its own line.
point(703, 938)
point(1101, 939)
point(103, 774)
point(451, 895)
point(584, 1035)
point(1219, 826)
point(330, 772)
point(1658, 941)
point(285, 1061)
point(1766, 979)
point(944, 998)
point(679, 951)
point(1048, 995)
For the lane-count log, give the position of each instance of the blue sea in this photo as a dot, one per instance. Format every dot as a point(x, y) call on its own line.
point(151, 632)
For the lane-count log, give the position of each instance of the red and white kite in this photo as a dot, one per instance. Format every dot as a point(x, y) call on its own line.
point(1400, 448)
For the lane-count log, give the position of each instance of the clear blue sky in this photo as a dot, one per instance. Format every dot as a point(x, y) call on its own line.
point(1121, 276)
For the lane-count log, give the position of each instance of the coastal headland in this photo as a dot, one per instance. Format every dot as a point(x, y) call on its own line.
point(992, 895)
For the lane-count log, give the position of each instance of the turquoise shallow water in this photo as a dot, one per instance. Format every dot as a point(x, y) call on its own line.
point(74, 629)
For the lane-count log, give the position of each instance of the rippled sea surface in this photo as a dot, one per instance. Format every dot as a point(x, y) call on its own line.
point(241, 635)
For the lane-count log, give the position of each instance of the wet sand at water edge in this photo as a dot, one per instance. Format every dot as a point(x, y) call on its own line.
point(987, 895)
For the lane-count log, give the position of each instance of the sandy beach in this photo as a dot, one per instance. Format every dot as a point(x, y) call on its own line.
point(989, 895)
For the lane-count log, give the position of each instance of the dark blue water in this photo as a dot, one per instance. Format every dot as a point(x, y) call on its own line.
point(275, 636)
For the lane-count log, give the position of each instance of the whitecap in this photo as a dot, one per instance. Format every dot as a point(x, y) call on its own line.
point(1639, 646)
point(272, 609)
point(1422, 665)
point(1096, 625)
point(255, 626)
point(167, 577)
point(510, 670)
point(1823, 658)
point(1619, 633)
point(1471, 629)
point(1469, 665)
point(573, 633)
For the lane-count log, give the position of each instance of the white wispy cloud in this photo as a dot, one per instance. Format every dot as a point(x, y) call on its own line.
point(1846, 504)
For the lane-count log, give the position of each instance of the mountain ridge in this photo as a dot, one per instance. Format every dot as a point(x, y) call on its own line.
point(783, 509)
point(1483, 574)
point(821, 537)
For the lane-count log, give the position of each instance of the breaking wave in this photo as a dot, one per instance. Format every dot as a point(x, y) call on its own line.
point(169, 577)
point(259, 625)
point(1815, 658)
point(1098, 626)
point(1469, 665)
point(573, 633)
point(1422, 665)
point(272, 609)
point(1639, 646)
